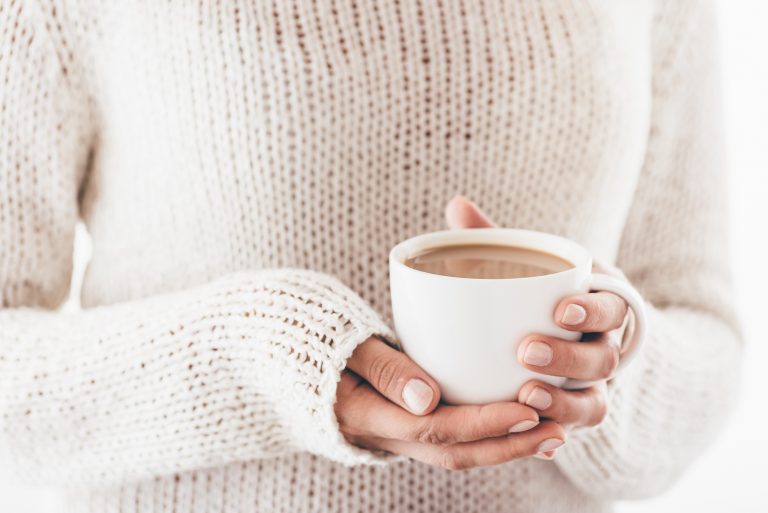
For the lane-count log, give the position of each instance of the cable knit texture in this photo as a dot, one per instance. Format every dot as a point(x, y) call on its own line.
point(243, 168)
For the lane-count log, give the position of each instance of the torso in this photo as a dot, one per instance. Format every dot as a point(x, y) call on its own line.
point(318, 134)
point(266, 139)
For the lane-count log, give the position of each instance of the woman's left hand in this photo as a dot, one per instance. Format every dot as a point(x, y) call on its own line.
point(600, 315)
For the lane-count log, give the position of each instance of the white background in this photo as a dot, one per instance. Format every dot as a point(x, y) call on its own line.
point(733, 475)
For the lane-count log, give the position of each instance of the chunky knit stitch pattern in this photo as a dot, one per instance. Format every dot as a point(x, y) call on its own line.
point(243, 168)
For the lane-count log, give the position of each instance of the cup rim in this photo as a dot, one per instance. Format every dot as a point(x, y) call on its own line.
point(401, 251)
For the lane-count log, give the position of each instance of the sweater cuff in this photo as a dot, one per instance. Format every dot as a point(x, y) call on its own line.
point(327, 321)
point(327, 440)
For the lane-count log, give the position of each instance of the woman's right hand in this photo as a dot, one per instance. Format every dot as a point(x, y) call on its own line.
point(387, 402)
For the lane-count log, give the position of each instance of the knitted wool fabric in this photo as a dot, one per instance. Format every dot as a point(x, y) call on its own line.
point(243, 168)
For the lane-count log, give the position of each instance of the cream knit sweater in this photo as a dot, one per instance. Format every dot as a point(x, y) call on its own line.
point(243, 168)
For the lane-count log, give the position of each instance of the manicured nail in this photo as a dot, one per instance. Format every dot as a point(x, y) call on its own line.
point(537, 353)
point(539, 399)
point(573, 315)
point(523, 425)
point(550, 444)
point(417, 395)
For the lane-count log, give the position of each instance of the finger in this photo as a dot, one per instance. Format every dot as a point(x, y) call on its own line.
point(491, 451)
point(395, 376)
point(355, 398)
point(596, 311)
point(462, 213)
point(362, 412)
point(453, 424)
point(587, 407)
point(448, 424)
point(591, 361)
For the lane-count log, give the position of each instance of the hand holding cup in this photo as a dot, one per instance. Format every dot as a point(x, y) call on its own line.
point(591, 360)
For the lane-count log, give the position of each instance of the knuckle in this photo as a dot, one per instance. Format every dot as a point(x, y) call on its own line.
point(568, 358)
point(612, 310)
point(482, 419)
point(567, 412)
point(600, 410)
point(350, 425)
point(610, 361)
point(430, 433)
point(598, 312)
point(452, 460)
point(619, 307)
point(384, 372)
point(342, 420)
point(515, 451)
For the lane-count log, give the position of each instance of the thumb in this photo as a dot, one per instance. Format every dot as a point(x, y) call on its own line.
point(395, 376)
point(462, 213)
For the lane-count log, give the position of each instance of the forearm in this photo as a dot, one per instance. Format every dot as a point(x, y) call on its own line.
point(243, 368)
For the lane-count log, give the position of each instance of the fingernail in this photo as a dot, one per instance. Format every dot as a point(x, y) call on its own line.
point(523, 425)
point(545, 455)
point(417, 395)
point(550, 444)
point(539, 399)
point(574, 314)
point(537, 353)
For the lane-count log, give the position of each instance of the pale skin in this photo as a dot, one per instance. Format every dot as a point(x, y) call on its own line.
point(386, 402)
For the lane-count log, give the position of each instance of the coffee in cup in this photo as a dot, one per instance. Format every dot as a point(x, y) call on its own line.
point(487, 261)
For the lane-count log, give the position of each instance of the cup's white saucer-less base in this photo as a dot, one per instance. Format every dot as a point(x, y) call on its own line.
point(465, 332)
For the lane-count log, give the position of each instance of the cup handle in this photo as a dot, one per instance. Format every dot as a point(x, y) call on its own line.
point(605, 283)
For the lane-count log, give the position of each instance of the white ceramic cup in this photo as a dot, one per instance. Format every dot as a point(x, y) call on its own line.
point(464, 332)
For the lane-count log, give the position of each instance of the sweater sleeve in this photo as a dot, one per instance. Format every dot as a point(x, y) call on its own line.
point(667, 406)
point(241, 368)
